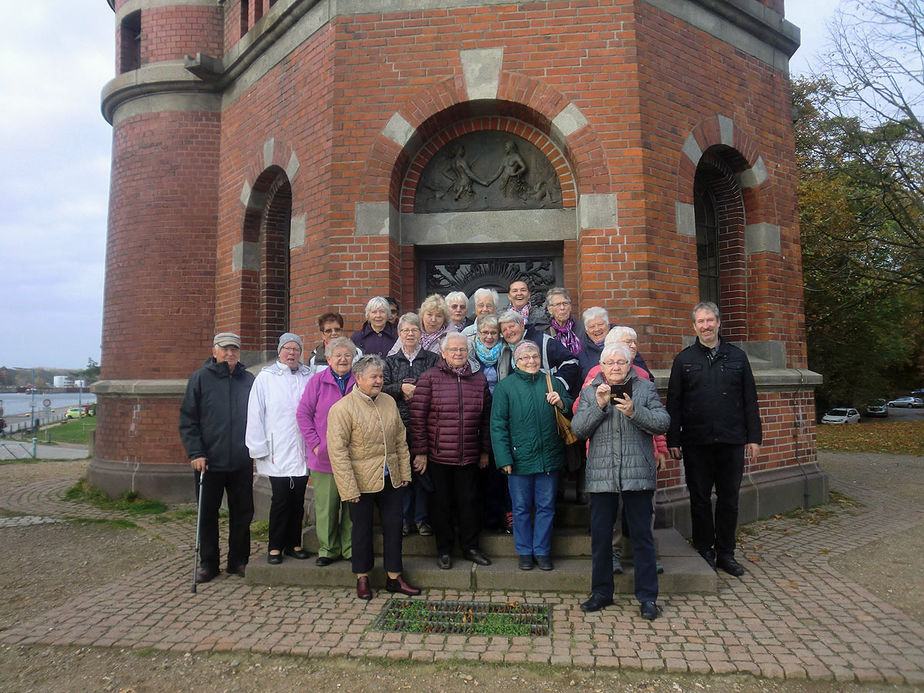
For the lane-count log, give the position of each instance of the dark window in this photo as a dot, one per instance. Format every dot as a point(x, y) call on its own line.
point(245, 16)
point(707, 240)
point(130, 43)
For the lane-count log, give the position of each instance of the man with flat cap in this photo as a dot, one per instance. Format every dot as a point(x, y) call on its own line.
point(213, 419)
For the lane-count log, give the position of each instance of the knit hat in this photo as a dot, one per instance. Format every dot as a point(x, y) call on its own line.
point(286, 338)
point(524, 346)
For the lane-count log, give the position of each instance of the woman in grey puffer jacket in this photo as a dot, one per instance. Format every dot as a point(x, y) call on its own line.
point(621, 462)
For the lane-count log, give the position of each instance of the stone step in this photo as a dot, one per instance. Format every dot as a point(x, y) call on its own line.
point(684, 570)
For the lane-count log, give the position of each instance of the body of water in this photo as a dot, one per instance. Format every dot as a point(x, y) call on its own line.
point(14, 403)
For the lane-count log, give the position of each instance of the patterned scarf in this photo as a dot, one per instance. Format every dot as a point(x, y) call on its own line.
point(524, 311)
point(488, 356)
point(565, 335)
point(427, 339)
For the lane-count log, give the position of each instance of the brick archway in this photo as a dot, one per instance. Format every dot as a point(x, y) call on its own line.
point(444, 105)
point(494, 123)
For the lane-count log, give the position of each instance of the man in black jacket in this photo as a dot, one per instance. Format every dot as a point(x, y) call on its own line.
point(213, 418)
point(712, 400)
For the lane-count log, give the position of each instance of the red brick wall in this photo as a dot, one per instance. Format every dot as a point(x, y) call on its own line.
point(142, 429)
point(171, 33)
point(160, 256)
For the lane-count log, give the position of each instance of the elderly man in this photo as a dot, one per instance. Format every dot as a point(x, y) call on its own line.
point(715, 421)
point(213, 417)
point(276, 444)
point(556, 359)
point(450, 421)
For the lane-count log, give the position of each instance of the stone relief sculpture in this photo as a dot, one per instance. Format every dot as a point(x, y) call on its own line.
point(457, 178)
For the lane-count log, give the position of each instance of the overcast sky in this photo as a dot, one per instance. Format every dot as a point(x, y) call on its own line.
point(55, 153)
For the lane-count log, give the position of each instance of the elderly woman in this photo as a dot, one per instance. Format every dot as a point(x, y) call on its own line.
point(434, 320)
point(485, 304)
point(377, 335)
point(402, 369)
point(369, 457)
point(629, 338)
point(276, 445)
point(596, 326)
point(563, 326)
point(527, 447)
point(329, 386)
point(485, 347)
point(450, 438)
point(618, 413)
point(458, 311)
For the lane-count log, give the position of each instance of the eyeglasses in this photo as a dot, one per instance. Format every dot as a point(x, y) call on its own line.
point(408, 330)
point(488, 333)
point(529, 357)
point(560, 304)
point(292, 349)
point(457, 350)
point(332, 330)
point(610, 364)
point(458, 306)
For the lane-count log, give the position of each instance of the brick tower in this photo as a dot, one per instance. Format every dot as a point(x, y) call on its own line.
point(275, 159)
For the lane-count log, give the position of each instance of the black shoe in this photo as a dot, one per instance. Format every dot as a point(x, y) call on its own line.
point(322, 561)
point(300, 554)
point(544, 563)
point(709, 557)
point(525, 563)
point(407, 528)
point(237, 569)
point(649, 610)
point(400, 586)
point(445, 561)
point(206, 575)
point(476, 556)
point(424, 529)
point(730, 566)
point(274, 558)
point(596, 602)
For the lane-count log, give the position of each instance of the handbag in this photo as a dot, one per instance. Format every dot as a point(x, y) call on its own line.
point(564, 425)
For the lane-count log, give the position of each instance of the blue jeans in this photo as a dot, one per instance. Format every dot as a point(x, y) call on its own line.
point(637, 509)
point(533, 493)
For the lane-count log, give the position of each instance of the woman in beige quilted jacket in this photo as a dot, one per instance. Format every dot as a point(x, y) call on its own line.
point(371, 464)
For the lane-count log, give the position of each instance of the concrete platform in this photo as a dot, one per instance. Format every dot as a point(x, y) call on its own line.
point(684, 571)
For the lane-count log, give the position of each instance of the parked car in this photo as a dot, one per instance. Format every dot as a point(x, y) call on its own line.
point(906, 402)
point(74, 413)
point(877, 408)
point(841, 416)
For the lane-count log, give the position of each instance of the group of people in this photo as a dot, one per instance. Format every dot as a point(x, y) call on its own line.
point(449, 426)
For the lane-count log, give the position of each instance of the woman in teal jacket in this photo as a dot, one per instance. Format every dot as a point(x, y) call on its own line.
point(529, 450)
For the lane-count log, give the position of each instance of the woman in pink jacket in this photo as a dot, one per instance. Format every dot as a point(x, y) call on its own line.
point(329, 386)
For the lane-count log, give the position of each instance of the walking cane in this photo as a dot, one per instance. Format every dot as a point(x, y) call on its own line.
point(198, 529)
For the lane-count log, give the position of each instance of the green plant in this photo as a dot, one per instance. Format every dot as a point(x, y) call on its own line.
point(130, 502)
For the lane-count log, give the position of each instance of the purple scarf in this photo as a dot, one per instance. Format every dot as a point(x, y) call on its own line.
point(565, 335)
point(427, 339)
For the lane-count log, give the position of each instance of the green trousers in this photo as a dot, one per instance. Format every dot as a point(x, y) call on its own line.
point(332, 518)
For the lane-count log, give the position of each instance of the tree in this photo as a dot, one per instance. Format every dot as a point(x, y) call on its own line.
point(91, 373)
point(862, 322)
point(872, 101)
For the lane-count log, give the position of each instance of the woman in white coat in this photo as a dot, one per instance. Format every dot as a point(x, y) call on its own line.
point(277, 446)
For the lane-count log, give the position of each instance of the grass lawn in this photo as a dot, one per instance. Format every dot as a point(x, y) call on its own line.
point(76, 431)
point(899, 437)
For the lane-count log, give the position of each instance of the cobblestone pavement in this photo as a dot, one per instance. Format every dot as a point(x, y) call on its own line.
point(791, 616)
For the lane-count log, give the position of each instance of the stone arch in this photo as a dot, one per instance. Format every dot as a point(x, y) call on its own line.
point(719, 156)
point(264, 260)
point(518, 98)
